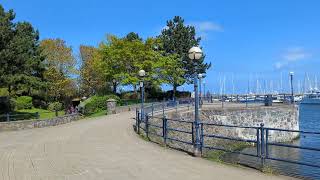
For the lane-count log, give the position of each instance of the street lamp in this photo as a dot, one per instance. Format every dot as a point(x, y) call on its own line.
point(291, 82)
point(142, 74)
point(195, 53)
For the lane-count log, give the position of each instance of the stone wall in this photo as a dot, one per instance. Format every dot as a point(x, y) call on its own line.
point(29, 124)
point(281, 117)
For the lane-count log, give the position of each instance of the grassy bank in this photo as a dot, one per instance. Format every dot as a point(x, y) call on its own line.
point(44, 114)
point(217, 155)
point(97, 114)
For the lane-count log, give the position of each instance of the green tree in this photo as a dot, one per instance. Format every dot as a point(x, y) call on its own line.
point(21, 64)
point(120, 59)
point(91, 81)
point(177, 39)
point(132, 36)
point(60, 68)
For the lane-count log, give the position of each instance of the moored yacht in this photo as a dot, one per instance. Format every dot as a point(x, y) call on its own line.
point(311, 97)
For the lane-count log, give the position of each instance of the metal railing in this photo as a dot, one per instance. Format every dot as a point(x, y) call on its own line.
point(24, 116)
point(261, 141)
point(290, 146)
point(19, 116)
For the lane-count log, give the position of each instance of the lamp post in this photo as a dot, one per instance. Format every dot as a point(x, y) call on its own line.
point(200, 92)
point(195, 53)
point(291, 82)
point(142, 73)
point(114, 86)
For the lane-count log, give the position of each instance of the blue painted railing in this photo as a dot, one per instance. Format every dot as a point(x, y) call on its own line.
point(261, 141)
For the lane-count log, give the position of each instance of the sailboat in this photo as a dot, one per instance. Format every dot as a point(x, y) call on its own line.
point(313, 95)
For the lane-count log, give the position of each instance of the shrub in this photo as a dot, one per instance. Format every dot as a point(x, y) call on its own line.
point(55, 106)
point(129, 95)
point(98, 103)
point(112, 96)
point(4, 92)
point(24, 102)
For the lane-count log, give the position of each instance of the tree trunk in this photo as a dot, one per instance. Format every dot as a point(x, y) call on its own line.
point(9, 90)
point(29, 91)
point(174, 91)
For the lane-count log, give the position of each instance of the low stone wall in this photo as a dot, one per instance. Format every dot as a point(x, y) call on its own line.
point(29, 124)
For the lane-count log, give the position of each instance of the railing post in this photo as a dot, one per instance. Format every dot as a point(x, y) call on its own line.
point(147, 125)
point(267, 139)
point(8, 117)
point(164, 130)
point(201, 138)
point(192, 133)
point(262, 145)
point(139, 121)
point(258, 143)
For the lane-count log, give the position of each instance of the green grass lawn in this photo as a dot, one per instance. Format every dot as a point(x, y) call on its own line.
point(44, 114)
point(97, 114)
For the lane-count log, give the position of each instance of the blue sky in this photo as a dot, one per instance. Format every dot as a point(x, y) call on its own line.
point(251, 41)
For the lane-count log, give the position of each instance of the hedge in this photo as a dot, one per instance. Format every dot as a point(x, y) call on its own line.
point(23, 102)
point(95, 104)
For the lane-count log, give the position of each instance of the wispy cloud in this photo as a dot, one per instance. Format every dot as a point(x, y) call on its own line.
point(203, 28)
point(292, 55)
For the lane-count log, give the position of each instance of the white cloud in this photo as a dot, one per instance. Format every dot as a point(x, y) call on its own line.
point(204, 27)
point(292, 55)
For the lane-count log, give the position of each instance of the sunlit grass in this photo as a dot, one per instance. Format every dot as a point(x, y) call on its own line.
point(44, 114)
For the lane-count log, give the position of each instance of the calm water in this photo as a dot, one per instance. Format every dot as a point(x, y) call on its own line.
point(309, 121)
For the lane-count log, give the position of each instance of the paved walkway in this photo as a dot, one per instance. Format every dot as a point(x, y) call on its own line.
point(102, 148)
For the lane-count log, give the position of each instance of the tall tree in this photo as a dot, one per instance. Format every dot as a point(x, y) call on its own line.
point(91, 81)
point(177, 39)
point(60, 68)
point(20, 56)
point(132, 36)
point(121, 59)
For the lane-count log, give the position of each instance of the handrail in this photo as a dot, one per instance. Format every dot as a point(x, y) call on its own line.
point(260, 139)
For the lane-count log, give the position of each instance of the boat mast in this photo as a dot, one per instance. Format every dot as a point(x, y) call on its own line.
point(315, 83)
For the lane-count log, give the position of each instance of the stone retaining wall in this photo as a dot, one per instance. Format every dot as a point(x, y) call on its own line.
point(282, 117)
point(29, 124)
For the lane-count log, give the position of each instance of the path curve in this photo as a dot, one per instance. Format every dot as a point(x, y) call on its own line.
point(102, 148)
